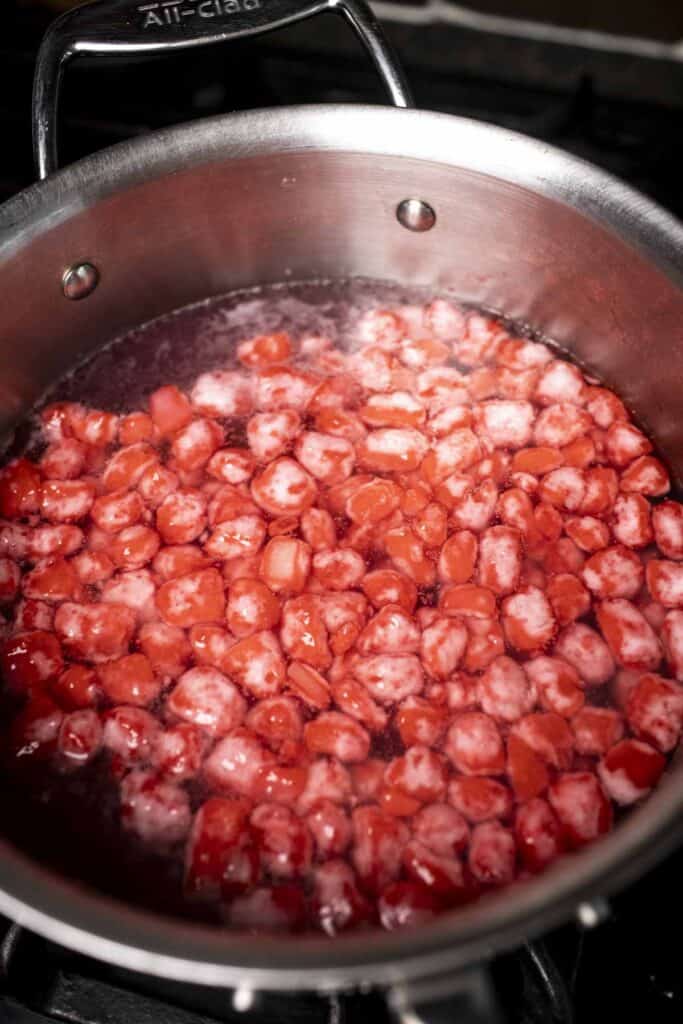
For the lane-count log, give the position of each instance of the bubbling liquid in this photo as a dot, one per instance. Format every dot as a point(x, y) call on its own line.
point(332, 607)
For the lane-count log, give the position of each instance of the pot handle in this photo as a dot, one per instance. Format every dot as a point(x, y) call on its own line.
point(465, 997)
point(111, 27)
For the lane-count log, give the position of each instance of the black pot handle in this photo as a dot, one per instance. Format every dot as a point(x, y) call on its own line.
point(466, 997)
point(110, 27)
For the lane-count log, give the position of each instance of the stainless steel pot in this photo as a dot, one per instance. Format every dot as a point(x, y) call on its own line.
point(312, 192)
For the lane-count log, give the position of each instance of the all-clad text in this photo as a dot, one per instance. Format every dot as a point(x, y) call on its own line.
point(175, 12)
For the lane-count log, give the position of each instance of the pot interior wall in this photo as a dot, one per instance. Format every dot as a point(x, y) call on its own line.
point(300, 215)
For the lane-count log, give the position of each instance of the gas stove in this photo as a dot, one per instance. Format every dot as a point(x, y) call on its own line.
point(615, 101)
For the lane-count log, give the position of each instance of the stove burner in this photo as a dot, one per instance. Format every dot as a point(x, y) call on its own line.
point(41, 982)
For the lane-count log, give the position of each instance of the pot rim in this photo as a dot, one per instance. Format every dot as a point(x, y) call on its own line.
point(68, 914)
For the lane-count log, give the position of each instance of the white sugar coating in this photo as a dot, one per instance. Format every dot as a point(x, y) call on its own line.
point(235, 762)
point(649, 477)
point(613, 572)
point(587, 652)
point(637, 644)
point(507, 424)
point(222, 393)
point(326, 457)
point(184, 592)
point(342, 568)
point(625, 443)
point(492, 853)
point(264, 670)
point(667, 586)
point(270, 433)
point(205, 697)
point(338, 609)
point(242, 535)
point(499, 558)
point(532, 608)
point(574, 800)
point(135, 589)
point(445, 320)
point(560, 424)
point(158, 812)
point(186, 506)
point(456, 452)
point(441, 386)
point(391, 631)
point(420, 769)
point(617, 783)
point(283, 389)
point(73, 505)
point(196, 434)
point(627, 520)
point(529, 354)
point(667, 522)
point(441, 828)
point(445, 421)
point(390, 678)
point(245, 606)
point(130, 733)
point(473, 737)
point(442, 646)
point(379, 327)
point(327, 780)
point(286, 484)
point(372, 369)
point(400, 400)
point(560, 382)
point(571, 482)
point(504, 690)
point(396, 441)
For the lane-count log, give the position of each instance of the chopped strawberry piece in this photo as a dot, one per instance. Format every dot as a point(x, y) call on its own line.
point(527, 771)
point(474, 745)
point(80, 737)
point(629, 771)
point(130, 734)
point(177, 751)
point(557, 683)
point(95, 632)
point(31, 660)
point(337, 903)
point(234, 764)
point(205, 697)
point(587, 652)
point(157, 811)
point(596, 729)
point(528, 619)
point(420, 722)
point(654, 711)
point(492, 853)
point(479, 799)
point(630, 637)
point(538, 834)
point(581, 807)
point(20, 489)
point(284, 843)
point(196, 597)
point(337, 735)
point(667, 523)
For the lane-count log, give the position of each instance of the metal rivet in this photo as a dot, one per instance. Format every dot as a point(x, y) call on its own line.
point(416, 215)
point(592, 914)
point(80, 280)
